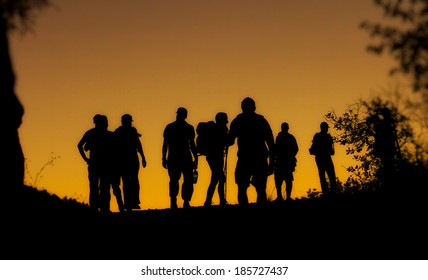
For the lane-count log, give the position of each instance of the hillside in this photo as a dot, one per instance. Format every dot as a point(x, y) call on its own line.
point(38, 225)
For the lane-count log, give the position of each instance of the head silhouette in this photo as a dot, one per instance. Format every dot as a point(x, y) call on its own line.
point(324, 127)
point(181, 113)
point(100, 121)
point(126, 120)
point(284, 127)
point(248, 105)
point(221, 118)
point(97, 119)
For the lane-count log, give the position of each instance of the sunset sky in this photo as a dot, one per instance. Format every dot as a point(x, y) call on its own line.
point(298, 59)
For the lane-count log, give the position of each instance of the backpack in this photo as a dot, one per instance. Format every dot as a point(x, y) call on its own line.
point(205, 132)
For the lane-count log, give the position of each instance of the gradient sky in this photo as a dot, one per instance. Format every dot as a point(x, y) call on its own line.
point(298, 59)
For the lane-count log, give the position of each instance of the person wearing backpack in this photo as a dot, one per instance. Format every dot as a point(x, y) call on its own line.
point(216, 150)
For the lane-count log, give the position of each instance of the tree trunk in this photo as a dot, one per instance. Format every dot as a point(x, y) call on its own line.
point(11, 112)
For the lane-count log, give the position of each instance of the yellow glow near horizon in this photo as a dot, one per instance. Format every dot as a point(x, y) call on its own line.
point(297, 59)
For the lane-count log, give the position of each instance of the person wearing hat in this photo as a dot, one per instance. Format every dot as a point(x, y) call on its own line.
point(128, 147)
point(323, 148)
point(179, 157)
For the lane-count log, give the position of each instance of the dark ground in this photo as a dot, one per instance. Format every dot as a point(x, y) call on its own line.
point(42, 226)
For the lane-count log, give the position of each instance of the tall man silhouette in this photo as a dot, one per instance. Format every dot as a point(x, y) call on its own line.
point(255, 151)
point(179, 157)
point(323, 148)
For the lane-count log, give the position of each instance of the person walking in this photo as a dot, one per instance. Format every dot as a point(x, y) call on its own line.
point(322, 148)
point(255, 151)
point(179, 157)
point(128, 147)
point(216, 159)
point(286, 149)
point(97, 142)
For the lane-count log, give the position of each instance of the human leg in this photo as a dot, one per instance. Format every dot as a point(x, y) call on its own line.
point(259, 180)
point(242, 179)
point(216, 167)
point(105, 196)
point(331, 173)
point(187, 188)
point(135, 191)
point(321, 173)
point(127, 190)
point(278, 185)
point(174, 177)
point(117, 192)
point(93, 187)
point(135, 183)
point(288, 186)
point(222, 189)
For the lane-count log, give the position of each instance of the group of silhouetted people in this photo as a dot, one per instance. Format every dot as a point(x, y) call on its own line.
point(113, 157)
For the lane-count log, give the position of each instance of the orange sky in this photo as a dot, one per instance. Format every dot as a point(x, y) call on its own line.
point(297, 59)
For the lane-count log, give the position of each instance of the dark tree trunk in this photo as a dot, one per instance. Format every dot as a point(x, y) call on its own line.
point(11, 112)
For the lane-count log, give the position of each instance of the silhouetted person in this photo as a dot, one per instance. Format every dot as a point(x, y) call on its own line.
point(255, 145)
point(128, 148)
point(179, 156)
point(323, 148)
point(98, 142)
point(286, 149)
point(216, 159)
point(112, 173)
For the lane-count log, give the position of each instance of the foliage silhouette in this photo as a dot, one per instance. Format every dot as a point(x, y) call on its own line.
point(29, 180)
point(356, 130)
point(404, 39)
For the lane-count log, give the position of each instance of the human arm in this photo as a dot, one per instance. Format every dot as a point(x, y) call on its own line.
point(141, 151)
point(231, 135)
point(143, 158)
point(296, 147)
point(332, 146)
point(192, 146)
point(270, 142)
point(80, 147)
point(164, 152)
point(313, 148)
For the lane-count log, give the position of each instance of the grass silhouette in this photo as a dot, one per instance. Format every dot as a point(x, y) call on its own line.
point(39, 225)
